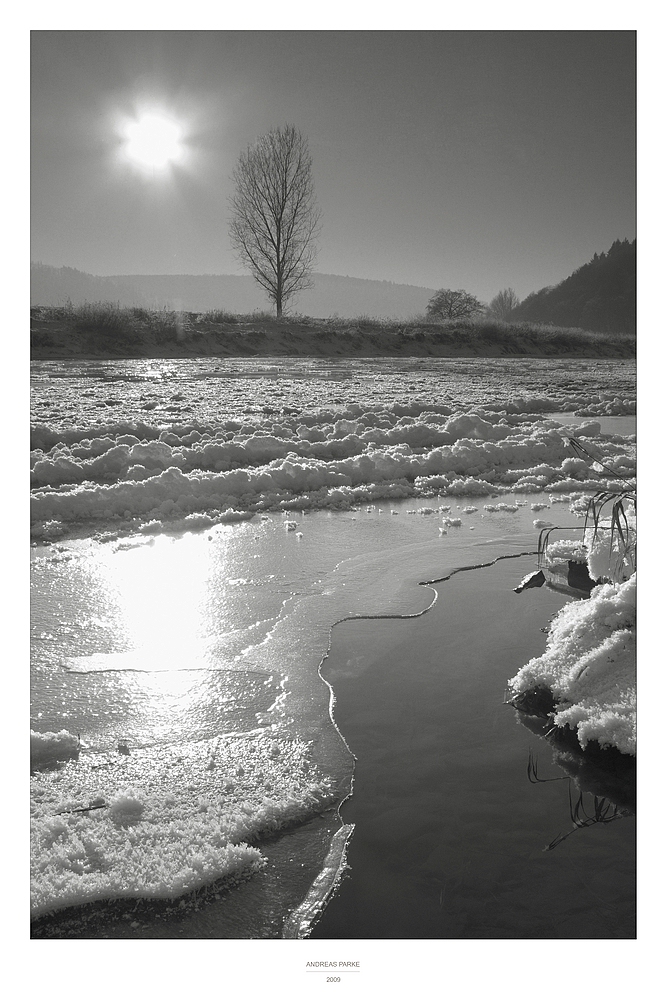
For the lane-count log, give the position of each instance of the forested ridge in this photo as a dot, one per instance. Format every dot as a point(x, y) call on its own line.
point(599, 296)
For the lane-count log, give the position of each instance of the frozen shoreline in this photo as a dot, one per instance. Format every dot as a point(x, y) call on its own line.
point(395, 597)
point(449, 835)
point(393, 588)
point(271, 504)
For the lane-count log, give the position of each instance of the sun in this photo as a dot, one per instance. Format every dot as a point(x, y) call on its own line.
point(154, 141)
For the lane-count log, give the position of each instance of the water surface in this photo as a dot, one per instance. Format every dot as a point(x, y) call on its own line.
point(450, 835)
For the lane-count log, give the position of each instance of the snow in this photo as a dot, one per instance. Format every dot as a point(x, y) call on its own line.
point(563, 550)
point(589, 666)
point(172, 820)
point(590, 662)
point(610, 556)
point(328, 445)
point(47, 748)
point(126, 808)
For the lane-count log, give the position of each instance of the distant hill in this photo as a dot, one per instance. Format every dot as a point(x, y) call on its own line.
point(54, 286)
point(599, 296)
point(330, 295)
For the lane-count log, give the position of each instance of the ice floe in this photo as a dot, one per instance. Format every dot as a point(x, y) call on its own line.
point(219, 465)
point(164, 822)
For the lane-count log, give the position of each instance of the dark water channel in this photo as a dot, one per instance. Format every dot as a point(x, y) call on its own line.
point(450, 833)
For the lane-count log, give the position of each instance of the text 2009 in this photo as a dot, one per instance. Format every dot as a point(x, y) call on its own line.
point(333, 979)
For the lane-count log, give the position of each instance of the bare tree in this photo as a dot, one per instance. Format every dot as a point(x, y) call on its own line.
point(275, 219)
point(447, 304)
point(503, 303)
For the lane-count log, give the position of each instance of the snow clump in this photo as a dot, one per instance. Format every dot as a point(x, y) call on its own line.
point(589, 667)
point(48, 748)
point(197, 474)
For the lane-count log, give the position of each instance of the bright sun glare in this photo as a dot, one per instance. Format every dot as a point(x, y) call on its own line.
point(154, 141)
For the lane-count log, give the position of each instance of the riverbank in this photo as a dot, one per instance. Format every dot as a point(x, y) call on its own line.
point(103, 330)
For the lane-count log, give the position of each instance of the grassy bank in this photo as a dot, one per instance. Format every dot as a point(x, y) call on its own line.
point(105, 330)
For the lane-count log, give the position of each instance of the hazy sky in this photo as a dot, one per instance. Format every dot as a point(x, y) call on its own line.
point(462, 159)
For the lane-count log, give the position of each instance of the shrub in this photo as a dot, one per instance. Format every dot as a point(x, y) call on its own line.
point(449, 304)
point(100, 317)
point(218, 316)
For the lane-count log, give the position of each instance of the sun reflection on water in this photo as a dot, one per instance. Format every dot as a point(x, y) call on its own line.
point(161, 593)
point(158, 602)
